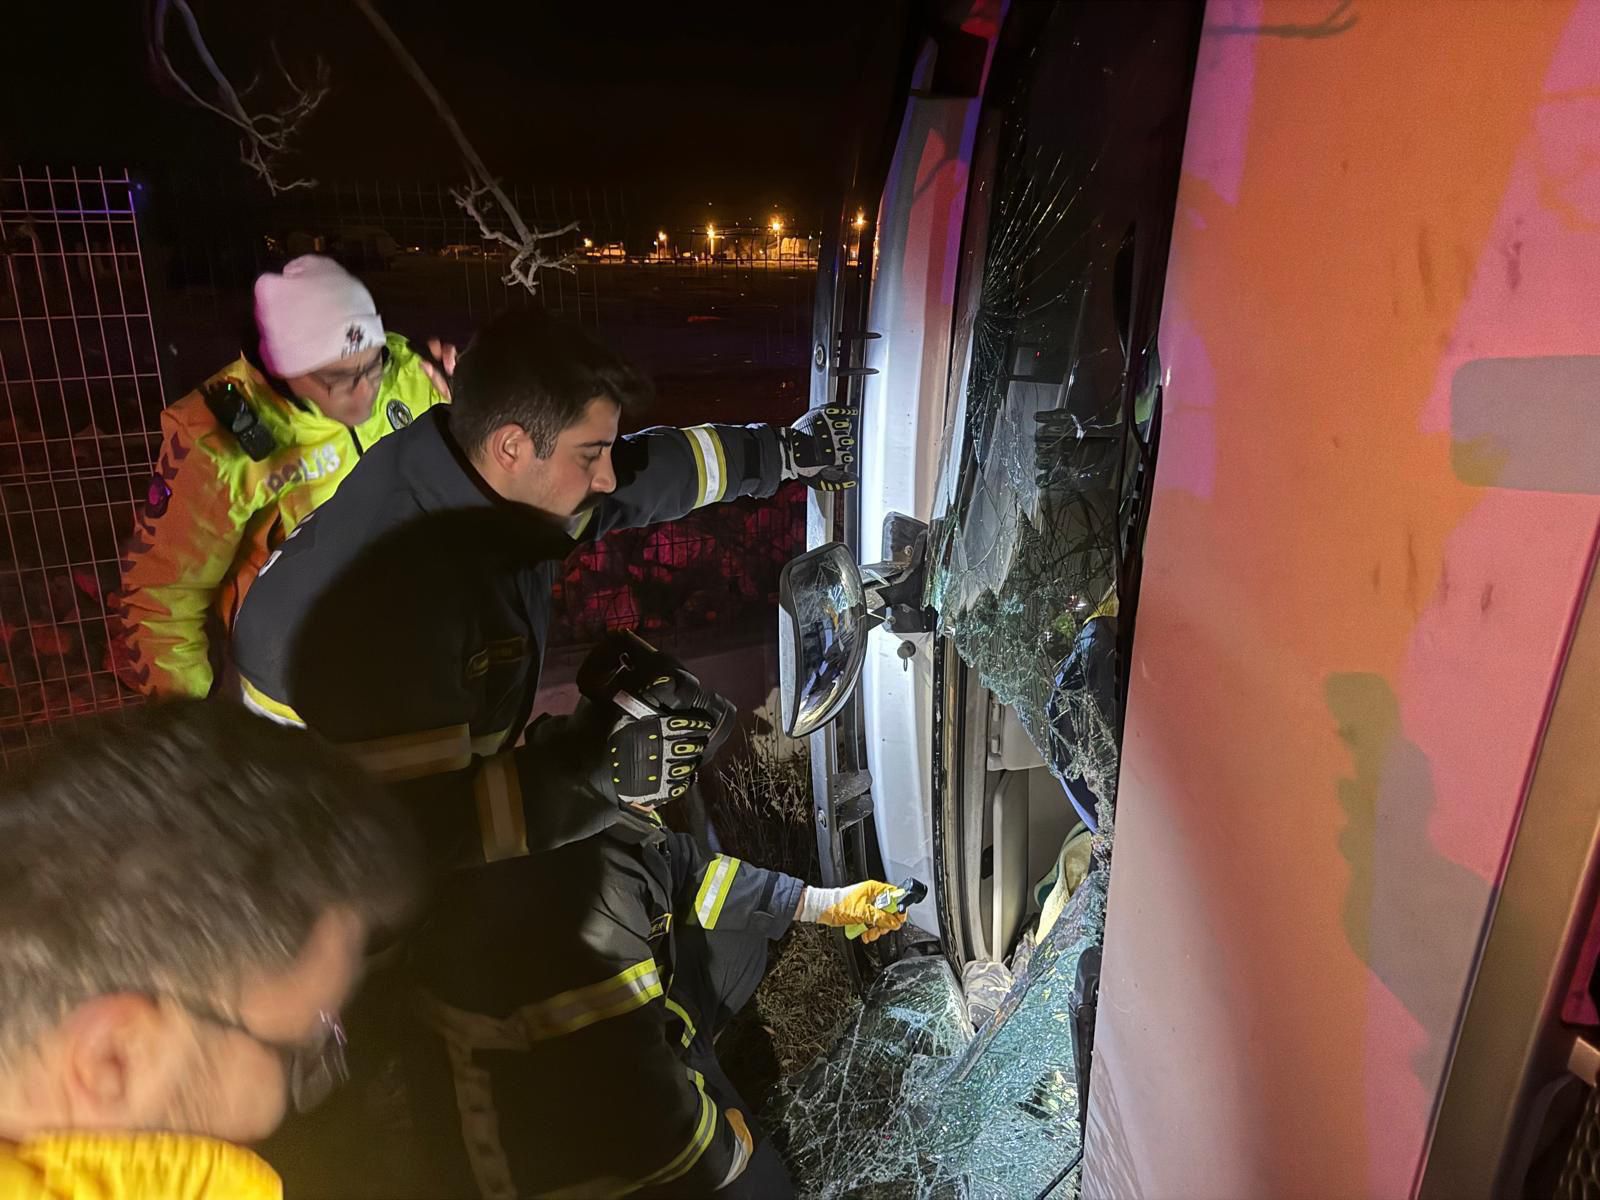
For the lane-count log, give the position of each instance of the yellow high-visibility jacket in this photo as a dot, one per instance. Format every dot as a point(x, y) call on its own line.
point(132, 1166)
point(213, 514)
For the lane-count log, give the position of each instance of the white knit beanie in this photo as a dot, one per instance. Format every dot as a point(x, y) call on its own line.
point(313, 315)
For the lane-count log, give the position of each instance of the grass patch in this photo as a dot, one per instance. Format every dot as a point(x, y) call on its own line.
point(806, 999)
point(760, 803)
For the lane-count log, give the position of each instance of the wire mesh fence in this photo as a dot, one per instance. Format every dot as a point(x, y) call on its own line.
point(118, 293)
point(82, 394)
point(717, 568)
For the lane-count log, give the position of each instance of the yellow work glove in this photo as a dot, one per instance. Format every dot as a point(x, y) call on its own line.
point(853, 905)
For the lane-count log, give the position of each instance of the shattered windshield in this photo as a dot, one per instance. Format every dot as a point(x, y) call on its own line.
point(912, 1103)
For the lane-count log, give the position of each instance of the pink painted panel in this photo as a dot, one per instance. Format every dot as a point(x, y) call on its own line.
point(1369, 530)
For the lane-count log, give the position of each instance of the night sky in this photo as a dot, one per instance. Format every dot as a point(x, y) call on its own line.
point(742, 105)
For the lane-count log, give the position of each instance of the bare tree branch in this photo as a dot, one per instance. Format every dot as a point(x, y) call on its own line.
point(528, 255)
point(264, 136)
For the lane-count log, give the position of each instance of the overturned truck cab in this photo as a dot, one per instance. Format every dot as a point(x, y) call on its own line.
point(1210, 629)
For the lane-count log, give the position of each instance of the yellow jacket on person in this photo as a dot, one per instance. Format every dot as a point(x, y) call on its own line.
point(132, 1166)
point(213, 514)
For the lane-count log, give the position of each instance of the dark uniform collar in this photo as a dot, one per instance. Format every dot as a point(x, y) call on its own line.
point(635, 828)
point(442, 476)
point(445, 479)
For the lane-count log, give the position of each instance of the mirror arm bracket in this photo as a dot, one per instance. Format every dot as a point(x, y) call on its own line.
point(894, 597)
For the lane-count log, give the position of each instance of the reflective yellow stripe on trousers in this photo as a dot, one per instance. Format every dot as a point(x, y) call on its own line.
point(465, 1032)
point(705, 1129)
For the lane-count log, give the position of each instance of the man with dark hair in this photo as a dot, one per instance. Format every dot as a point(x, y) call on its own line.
point(407, 617)
point(407, 621)
point(185, 895)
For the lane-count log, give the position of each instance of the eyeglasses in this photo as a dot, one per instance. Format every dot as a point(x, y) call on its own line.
point(346, 385)
point(314, 1067)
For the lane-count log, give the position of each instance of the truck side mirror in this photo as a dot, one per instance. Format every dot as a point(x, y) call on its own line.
point(826, 607)
point(822, 636)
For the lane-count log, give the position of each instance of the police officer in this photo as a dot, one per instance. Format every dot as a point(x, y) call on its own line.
point(248, 456)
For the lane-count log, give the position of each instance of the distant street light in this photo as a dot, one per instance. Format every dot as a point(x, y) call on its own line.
point(861, 219)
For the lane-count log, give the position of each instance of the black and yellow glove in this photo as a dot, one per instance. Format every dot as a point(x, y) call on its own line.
point(654, 759)
point(662, 722)
point(820, 448)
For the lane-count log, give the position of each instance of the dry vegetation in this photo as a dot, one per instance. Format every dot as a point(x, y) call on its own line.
point(761, 807)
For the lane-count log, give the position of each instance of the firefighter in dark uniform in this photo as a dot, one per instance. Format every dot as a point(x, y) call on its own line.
point(639, 949)
point(406, 619)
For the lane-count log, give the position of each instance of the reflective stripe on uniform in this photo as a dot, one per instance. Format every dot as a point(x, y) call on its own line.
point(488, 743)
point(562, 1014)
point(400, 757)
point(705, 1129)
point(429, 752)
point(498, 791)
point(714, 887)
point(711, 467)
point(473, 1031)
point(571, 1011)
point(496, 787)
point(688, 1024)
point(414, 755)
point(264, 705)
point(480, 1126)
point(464, 1032)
